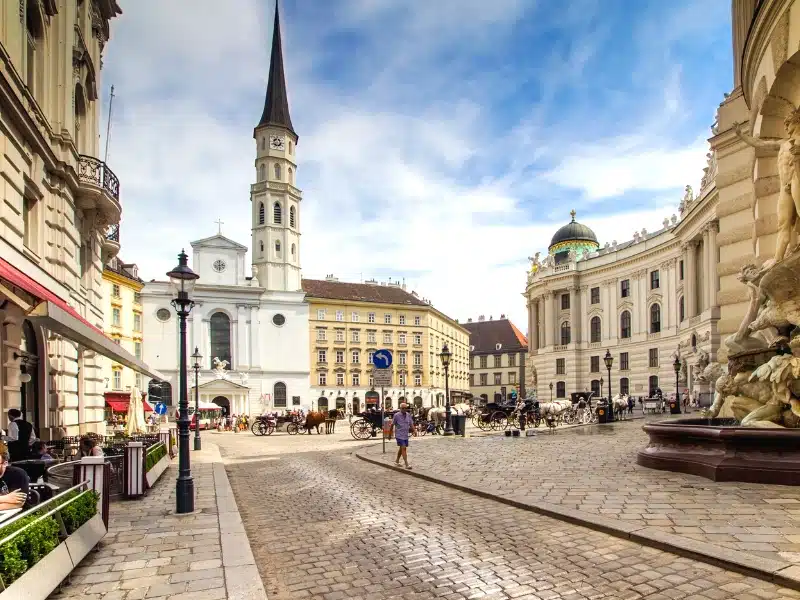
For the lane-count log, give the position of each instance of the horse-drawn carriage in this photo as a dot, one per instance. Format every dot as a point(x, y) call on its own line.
point(654, 405)
point(497, 416)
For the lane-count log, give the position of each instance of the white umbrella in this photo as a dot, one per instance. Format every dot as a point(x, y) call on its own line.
point(136, 423)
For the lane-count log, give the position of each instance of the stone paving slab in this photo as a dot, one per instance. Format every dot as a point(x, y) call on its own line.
point(150, 552)
point(589, 476)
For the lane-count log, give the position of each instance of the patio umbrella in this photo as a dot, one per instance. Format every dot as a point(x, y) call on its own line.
point(136, 423)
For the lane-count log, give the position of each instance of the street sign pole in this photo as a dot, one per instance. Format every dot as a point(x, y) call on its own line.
point(383, 433)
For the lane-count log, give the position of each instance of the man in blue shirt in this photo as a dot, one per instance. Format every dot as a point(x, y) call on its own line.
point(402, 425)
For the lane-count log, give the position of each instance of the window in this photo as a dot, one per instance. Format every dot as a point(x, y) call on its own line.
point(561, 389)
point(294, 250)
point(402, 319)
point(371, 382)
point(681, 310)
point(417, 359)
point(290, 175)
point(261, 213)
point(387, 318)
point(137, 350)
point(625, 288)
point(220, 334)
point(595, 293)
point(418, 380)
point(401, 338)
point(356, 379)
point(277, 171)
point(496, 360)
point(322, 356)
point(387, 337)
point(354, 317)
point(680, 270)
point(339, 335)
point(340, 315)
point(512, 378)
point(623, 361)
point(370, 317)
point(354, 336)
point(654, 281)
point(498, 378)
point(625, 324)
point(417, 321)
point(340, 356)
point(484, 362)
point(291, 216)
point(565, 333)
point(594, 364)
point(277, 248)
point(371, 337)
point(115, 291)
point(512, 360)
point(624, 386)
point(564, 301)
point(137, 297)
point(117, 383)
point(321, 314)
point(561, 366)
point(261, 246)
point(116, 320)
point(655, 318)
point(653, 384)
point(417, 339)
point(139, 381)
point(484, 379)
point(290, 146)
point(594, 326)
point(340, 379)
point(370, 354)
point(137, 322)
point(262, 173)
point(34, 30)
point(356, 357)
point(29, 222)
point(322, 335)
point(401, 379)
point(402, 358)
point(653, 358)
point(322, 378)
point(277, 215)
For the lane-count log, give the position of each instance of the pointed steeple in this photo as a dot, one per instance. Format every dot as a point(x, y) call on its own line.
point(276, 104)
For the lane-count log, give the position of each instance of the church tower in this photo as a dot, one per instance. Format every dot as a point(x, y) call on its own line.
point(275, 199)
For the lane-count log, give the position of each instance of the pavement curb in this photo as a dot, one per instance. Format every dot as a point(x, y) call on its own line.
point(777, 572)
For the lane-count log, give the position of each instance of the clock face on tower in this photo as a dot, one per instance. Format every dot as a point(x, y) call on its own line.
point(276, 142)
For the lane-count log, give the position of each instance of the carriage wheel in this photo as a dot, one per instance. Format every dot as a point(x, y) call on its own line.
point(361, 430)
point(476, 420)
point(258, 428)
point(270, 428)
point(513, 421)
point(292, 429)
point(499, 420)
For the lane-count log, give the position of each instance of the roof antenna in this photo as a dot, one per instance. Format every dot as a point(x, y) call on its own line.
point(108, 125)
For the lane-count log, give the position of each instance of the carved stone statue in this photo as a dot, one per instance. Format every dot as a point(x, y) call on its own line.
point(572, 256)
point(254, 278)
point(535, 263)
point(744, 338)
point(220, 369)
point(244, 378)
point(701, 363)
point(789, 199)
point(548, 261)
point(531, 375)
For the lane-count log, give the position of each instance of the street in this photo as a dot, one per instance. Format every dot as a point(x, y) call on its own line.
point(324, 524)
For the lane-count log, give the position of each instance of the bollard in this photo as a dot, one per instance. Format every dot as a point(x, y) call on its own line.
point(97, 472)
point(133, 470)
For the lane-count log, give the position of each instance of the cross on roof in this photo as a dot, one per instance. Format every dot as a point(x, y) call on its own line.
point(572, 214)
point(219, 223)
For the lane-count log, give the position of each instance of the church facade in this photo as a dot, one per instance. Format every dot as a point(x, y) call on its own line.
point(252, 331)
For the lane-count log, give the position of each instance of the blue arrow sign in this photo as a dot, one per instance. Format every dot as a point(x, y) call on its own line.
point(382, 359)
point(160, 408)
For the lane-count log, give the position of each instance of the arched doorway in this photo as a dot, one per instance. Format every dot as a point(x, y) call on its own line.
point(372, 398)
point(417, 401)
point(322, 404)
point(340, 403)
point(595, 387)
point(653, 384)
point(223, 403)
point(498, 398)
point(401, 399)
point(356, 405)
point(29, 367)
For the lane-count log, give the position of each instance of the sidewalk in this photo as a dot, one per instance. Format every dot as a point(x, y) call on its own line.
point(150, 552)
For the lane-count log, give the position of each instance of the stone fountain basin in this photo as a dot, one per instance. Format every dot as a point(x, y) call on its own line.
point(721, 450)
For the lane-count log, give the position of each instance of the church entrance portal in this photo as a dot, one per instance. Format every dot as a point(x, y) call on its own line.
point(223, 403)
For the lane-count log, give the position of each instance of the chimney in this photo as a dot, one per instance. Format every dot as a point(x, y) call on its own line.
point(481, 318)
point(469, 320)
point(330, 278)
point(503, 316)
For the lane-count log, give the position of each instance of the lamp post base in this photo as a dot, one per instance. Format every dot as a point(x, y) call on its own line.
point(448, 432)
point(184, 496)
point(197, 444)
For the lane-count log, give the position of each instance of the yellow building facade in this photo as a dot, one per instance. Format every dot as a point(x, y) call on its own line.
point(348, 322)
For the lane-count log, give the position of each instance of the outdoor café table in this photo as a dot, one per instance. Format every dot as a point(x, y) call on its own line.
point(7, 514)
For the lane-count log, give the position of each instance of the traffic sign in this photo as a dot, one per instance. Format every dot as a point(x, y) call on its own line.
point(382, 359)
point(160, 408)
point(382, 377)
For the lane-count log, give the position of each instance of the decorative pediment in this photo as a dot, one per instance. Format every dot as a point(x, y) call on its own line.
point(595, 312)
point(218, 241)
point(654, 296)
point(222, 385)
point(625, 306)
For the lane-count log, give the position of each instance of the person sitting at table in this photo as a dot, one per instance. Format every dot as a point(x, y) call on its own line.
point(39, 451)
point(14, 483)
point(89, 448)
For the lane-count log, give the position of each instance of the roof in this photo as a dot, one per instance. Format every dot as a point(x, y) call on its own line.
point(276, 103)
point(485, 335)
point(573, 231)
point(122, 269)
point(359, 292)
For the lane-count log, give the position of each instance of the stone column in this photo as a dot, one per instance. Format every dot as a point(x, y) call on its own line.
point(705, 262)
point(666, 303)
point(533, 324)
point(255, 356)
point(549, 318)
point(711, 274)
point(690, 280)
point(205, 343)
point(574, 315)
point(241, 339)
point(196, 327)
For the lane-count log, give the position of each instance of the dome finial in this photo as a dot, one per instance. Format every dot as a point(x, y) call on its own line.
point(572, 214)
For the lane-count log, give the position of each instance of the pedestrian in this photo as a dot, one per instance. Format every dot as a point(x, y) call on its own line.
point(686, 400)
point(20, 436)
point(402, 425)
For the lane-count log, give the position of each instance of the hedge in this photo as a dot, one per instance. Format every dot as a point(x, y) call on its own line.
point(29, 547)
point(154, 454)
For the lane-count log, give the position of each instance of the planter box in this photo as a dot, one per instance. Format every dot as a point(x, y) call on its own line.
point(45, 576)
point(82, 541)
point(153, 474)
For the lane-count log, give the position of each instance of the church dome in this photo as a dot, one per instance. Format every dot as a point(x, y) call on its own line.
point(573, 236)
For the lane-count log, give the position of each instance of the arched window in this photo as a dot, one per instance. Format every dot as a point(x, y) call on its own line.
point(159, 392)
point(294, 250)
point(655, 318)
point(561, 389)
point(80, 116)
point(624, 386)
point(261, 213)
point(277, 214)
point(694, 341)
point(625, 324)
point(291, 216)
point(277, 248)
point(595, 329)
point(219, 326)
point(264, 143)
point(279, 393)
point(681, 310)
point(596, 387)
point(262, 173)
point(565, 333)
point(289, 175)
point(277, 168)
point(290, 146)
point(34, 47)
point(653, 385)
point(261, 246)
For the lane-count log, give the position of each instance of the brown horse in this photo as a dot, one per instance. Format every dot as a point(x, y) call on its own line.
point(314, 419)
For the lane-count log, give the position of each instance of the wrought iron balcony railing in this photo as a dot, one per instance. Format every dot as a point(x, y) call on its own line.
point(93, 170)
point(113, 233)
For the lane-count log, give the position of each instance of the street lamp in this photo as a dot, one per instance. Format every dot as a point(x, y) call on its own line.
point(183, 280)
point(196, 357)
point(551, 391)
point(676, 364)
point(609, 360)
point(444, 356)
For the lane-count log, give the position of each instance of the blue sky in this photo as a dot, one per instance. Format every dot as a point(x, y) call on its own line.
point(442, 141)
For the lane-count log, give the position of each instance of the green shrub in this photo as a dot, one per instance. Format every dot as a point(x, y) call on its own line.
point(154, 454)
point(79, 512)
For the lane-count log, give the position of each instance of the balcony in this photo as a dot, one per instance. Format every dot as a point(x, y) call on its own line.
point(111, 241)
point(98, 188)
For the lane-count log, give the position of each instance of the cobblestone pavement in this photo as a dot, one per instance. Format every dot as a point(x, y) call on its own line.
point(332, 527)
point(593, 469)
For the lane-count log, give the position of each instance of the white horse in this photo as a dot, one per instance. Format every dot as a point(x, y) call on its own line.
point(619, 404)
point(553, 411)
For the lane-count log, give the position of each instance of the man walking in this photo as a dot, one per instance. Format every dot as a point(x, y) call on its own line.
point(402, 425)
point(20, 436)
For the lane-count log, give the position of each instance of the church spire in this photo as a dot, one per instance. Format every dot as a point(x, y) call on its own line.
point(276, 104)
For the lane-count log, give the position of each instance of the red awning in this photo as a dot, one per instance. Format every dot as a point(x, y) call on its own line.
point(119, 404)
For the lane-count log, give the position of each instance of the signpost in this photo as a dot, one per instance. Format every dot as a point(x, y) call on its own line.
point(382, 376)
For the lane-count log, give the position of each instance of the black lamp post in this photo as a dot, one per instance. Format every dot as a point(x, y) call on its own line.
point(197, 357)
point(676, 364)
point(183, 279)
point(609, 360)
point(551, 391)
point(444, 356)
point(601, 388)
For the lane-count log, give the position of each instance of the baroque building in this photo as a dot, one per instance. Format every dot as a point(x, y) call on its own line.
point(645, 300)
point(59, 219)
point(497, 357)
point(348, 322)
